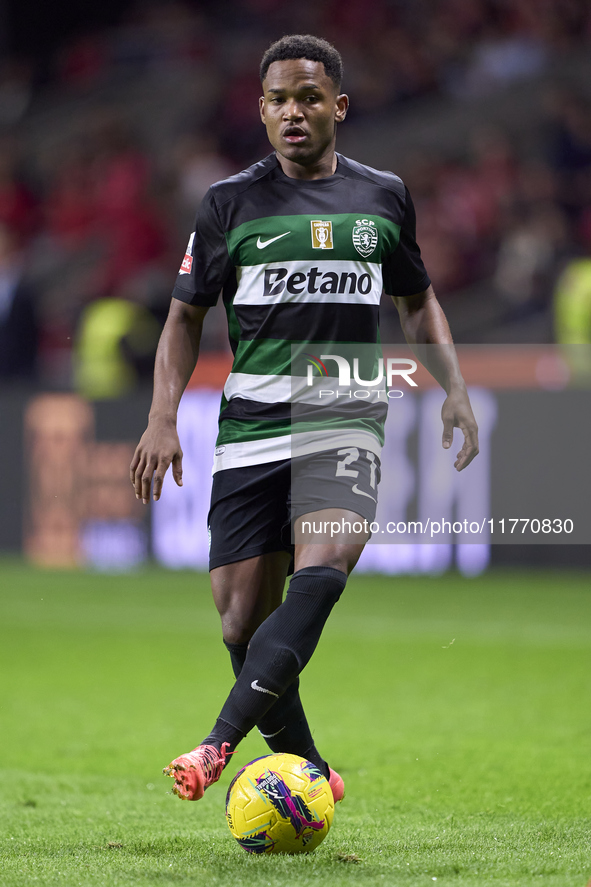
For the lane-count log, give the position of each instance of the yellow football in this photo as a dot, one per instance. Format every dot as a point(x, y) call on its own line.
point(279, 804)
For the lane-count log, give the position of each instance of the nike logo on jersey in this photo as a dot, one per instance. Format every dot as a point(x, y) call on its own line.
point(359, 492)
point(255, 686)
point(263, 243)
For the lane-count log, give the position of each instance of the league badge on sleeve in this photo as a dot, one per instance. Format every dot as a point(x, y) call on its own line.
point(365, 237)
point(187, 262)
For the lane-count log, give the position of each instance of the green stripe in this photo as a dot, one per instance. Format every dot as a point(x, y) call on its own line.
point(234, 331)
point(263, 357)
point(275, 357)
point(297, 245)
point(241, 431)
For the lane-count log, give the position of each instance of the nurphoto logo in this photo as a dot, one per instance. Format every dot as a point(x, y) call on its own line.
point(395, 366)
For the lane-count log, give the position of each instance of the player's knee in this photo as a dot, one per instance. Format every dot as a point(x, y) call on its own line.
point(336, 557)
point(239, 624)
point(236, 631)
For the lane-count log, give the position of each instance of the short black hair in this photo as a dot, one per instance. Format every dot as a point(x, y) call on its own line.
point(305, 46)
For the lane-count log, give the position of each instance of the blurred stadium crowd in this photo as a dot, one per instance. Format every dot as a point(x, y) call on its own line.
point(106, 153)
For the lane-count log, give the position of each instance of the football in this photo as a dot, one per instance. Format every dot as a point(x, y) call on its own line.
point(279, 804)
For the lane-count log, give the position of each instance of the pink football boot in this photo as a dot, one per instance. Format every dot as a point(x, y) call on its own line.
point(197, 770)
point(337, 785)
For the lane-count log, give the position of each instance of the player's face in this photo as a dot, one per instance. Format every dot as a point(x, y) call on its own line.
point(300, 108)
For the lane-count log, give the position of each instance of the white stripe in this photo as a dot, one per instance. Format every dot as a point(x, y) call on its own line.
point(272, 449)
point(264, 389)
point(295, 389)
point(251, 283)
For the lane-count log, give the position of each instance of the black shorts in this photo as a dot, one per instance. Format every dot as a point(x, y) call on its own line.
point(253, 508)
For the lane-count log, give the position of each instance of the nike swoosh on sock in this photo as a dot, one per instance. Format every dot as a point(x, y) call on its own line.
point(255, 686)
point(271, 735)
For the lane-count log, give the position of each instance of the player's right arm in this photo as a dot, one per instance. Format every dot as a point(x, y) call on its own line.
point(176, 357)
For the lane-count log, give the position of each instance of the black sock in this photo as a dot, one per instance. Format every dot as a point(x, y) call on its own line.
point(223, 732)
point(279, 650)
point(285, 726)
point(237, 656)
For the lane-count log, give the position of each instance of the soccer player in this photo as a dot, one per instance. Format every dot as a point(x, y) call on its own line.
point(301, 244)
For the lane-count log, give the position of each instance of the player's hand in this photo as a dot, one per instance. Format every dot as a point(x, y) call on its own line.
point(456, 412)
point(158, 448)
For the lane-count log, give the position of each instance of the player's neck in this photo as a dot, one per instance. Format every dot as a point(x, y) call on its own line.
point(322, 168)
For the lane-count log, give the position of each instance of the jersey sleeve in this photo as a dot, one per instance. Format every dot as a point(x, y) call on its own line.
point(207, 264)
point(403, 270)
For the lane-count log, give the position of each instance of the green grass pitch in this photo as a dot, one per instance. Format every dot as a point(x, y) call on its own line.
point(458, 712)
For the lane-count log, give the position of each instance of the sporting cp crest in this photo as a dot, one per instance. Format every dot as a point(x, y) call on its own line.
point(321, 235)
point(365, 237)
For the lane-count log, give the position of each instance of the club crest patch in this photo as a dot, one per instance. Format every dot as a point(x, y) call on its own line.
point(365, 237)
point(321, 234)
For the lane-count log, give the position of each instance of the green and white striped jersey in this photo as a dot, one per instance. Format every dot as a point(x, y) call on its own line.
point(299, 263)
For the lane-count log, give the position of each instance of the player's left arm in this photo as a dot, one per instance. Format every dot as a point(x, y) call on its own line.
point(424, 324)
